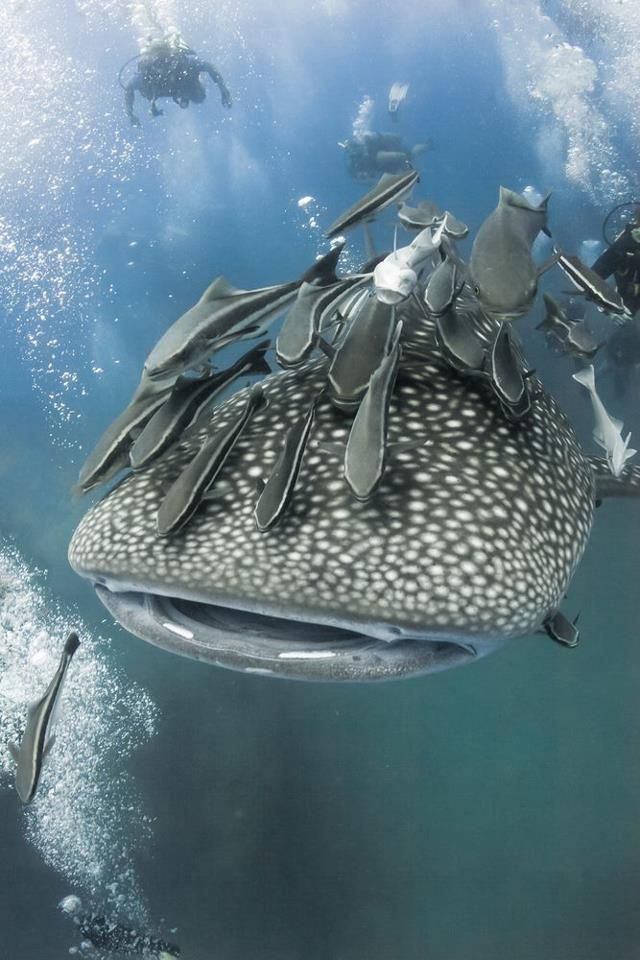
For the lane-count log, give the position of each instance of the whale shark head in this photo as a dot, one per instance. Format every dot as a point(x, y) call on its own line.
point(469, 541)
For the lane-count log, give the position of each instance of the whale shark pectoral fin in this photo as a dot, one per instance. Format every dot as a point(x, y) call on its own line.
point(626, 485)
point(562, 630)
point(14, 750)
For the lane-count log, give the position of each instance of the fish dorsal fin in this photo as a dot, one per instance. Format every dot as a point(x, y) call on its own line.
point(618, 424)
point(218, 289)
point(14, 750)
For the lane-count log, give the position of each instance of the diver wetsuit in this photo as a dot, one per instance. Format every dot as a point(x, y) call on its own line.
point(171, 72)
point(376, 153)
point(623, 260)
point(108, 935)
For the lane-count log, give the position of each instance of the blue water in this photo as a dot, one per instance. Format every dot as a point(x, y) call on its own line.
point(481, 814)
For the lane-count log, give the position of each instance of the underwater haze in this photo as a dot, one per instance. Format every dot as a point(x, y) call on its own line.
point(485, 813)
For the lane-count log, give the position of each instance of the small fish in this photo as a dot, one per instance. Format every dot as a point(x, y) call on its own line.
point(454, 227)
point(111, 453)
point(223, 314)
point(303, 321)
point(397, 95)
point(459, 341)
point(397, 276)
point(572, 335)
point(426, 214)
point(359, 354)
point(185, 404)
point(278, 490)
point(608, 431)
point(507, 376)
point(442, 287)
point(365, 453)
point(429, 214)
point(503, 271)
point(390, 188)
point(185, 495)
point(37, 739)
point(592, 285)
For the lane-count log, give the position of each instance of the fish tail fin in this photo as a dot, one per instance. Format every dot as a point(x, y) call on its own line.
point(586, 377)
point(629, 452)
point(71, 644)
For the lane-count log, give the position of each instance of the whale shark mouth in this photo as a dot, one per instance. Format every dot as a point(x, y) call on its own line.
point(261, 643)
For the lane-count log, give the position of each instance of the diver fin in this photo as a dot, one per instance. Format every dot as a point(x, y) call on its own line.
point(14, 750)
point(48, 745)
point(260, 485)
point(562, 630)
point(626, 485)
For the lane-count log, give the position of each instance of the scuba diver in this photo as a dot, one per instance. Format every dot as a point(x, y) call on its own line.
point(108, 935)
point(373, 154)
point(168, 68)
point(623, 260)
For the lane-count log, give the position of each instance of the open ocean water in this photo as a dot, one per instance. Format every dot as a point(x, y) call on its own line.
point(487, 813)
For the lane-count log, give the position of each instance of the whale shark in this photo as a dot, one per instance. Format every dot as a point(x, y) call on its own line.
point(464, 535)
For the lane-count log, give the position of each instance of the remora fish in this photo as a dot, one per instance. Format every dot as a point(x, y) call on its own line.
point(572, 335)
point(469, 542)
point(607, 431)
point(186, 402)
point(278, 490)
point(366, 450)
point(429, 214)
point(502, 269)
point(223, 314)
point(37, 739)
point(592, 285)
point(390, 188)
point(359, 353)
point(397, 276)
point(111, 453)
point(303, 321)
point(442, 287)
point(185, 495)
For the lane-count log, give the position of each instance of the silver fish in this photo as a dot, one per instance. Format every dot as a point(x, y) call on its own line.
point(185, 495)
point(390, 188)
point(278, 490)
point(188, 399)
point(37, 739)
point(365, 453)
point(503, 272)
point(469, 542)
